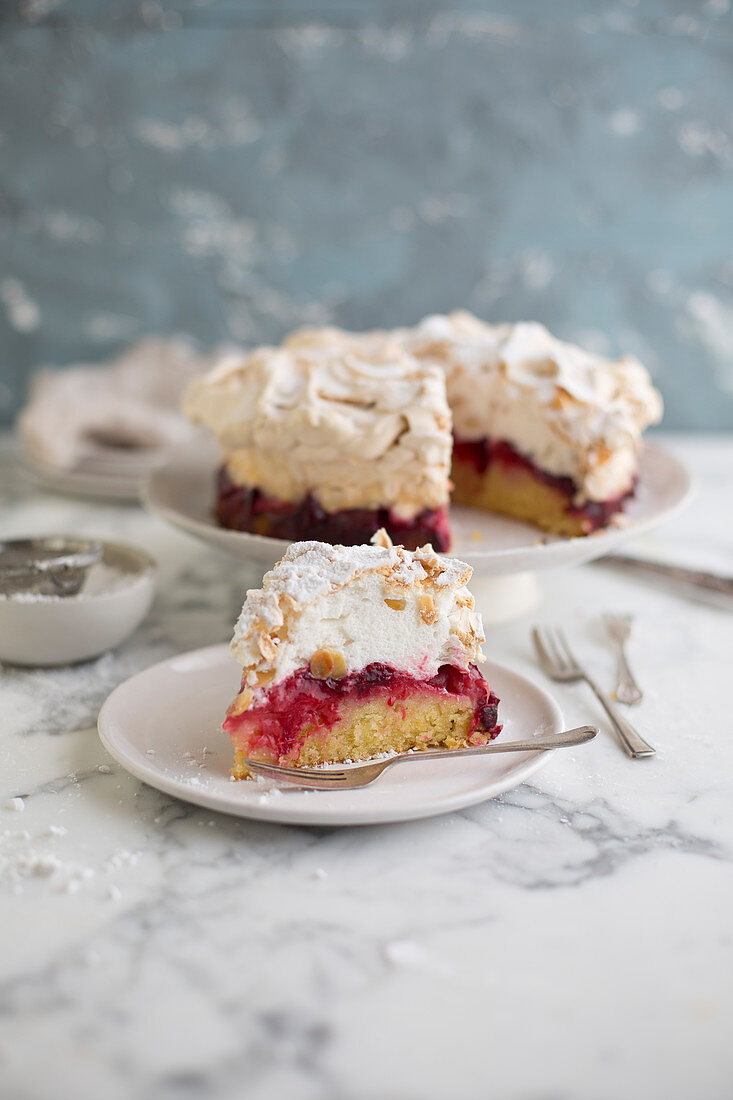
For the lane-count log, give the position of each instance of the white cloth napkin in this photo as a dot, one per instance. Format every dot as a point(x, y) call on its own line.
point(126, 410)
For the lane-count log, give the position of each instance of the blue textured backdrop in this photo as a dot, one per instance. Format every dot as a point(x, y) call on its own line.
point(233, 169)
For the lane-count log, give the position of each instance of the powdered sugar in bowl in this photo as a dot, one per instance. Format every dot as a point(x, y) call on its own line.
point(38, 628)
point(51, 566)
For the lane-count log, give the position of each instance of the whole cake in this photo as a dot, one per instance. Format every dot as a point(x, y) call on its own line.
point(330, 438)
point(353, 651)
point(335, 434)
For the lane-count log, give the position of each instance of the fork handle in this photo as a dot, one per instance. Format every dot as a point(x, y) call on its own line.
point(627, 689)
point(633, 742)
point(577, 736)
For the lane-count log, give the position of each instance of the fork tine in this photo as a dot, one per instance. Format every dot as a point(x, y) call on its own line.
point(564, 643)
point(541, 651)
point(330, 775)
point(558, 657)
point(555, 661)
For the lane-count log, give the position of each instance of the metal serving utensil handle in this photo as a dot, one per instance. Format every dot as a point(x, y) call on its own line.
point(713, 582)
point(633, 742)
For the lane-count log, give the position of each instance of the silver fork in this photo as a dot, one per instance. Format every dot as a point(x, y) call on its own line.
point(619, 630)
point(559, 663)
point(359, 775)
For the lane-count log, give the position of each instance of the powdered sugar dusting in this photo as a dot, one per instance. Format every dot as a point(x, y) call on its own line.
point(337, 596)
point(101, 580)
point(309, 570)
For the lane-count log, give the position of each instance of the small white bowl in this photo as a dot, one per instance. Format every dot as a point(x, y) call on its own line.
point(61, 630)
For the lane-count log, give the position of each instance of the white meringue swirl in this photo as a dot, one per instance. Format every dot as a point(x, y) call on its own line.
point(358, 423)
point(573, 413)
point(335, 596)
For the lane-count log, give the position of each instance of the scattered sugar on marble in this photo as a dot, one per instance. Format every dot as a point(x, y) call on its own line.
point(404, 953)
point(23, 858)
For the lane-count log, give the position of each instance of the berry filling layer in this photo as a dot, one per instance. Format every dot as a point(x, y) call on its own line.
point(244, 509)
point(304, 709)
point(481, 454)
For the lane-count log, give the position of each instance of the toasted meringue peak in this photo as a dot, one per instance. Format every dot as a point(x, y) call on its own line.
point(360, 419)
point(365, 603)
point(381, 538)
point(357, 423)
point(574, 413)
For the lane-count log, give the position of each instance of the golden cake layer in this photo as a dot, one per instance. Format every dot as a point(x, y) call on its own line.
point(516, 492)
point(372, 727)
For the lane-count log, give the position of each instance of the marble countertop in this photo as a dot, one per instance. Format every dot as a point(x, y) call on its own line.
point(569, 940)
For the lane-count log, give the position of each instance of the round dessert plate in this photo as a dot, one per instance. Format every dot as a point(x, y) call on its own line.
point(182, 492)
point(102, 474)
point(164, 726)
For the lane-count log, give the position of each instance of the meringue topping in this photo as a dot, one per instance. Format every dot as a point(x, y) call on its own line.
point(573, 413)
point(408, 609)
point(360, 423)
point(360, 419)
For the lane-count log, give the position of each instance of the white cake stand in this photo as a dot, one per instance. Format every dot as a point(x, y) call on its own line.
point(505, 555)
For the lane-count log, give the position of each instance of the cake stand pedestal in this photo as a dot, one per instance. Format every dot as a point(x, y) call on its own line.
point(500, 599)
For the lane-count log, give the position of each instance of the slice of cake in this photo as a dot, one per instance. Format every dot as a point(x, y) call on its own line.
point(330, 437)
point(350, 652)
point(543, 430)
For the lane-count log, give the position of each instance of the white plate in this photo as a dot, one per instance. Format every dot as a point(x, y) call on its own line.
point(98, 477)
point(182, 492)
point(176, 707)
